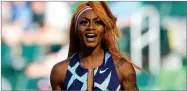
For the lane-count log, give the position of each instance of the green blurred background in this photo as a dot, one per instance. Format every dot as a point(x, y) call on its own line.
point(35, 37)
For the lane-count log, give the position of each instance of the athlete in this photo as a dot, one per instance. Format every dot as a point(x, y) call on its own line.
point(94, 62)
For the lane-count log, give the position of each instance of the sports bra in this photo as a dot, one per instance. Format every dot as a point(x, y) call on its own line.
point(105, 76)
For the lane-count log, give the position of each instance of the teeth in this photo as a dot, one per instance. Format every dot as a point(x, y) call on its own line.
point(90, 34)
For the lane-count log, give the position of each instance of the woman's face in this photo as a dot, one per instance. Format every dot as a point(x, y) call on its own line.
point(90, 29)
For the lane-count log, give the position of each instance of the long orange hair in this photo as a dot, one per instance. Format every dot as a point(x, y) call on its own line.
point(112, 33)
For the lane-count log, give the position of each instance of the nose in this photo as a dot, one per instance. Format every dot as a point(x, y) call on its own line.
point(91, 26)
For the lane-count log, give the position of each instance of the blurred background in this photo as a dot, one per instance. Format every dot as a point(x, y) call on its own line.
point(35, 37)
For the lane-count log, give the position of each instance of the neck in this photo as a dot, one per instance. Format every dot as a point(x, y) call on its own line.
point(85, 52)
point(91, 56)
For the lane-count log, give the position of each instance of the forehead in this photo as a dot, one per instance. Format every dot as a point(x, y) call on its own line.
point(88, 14)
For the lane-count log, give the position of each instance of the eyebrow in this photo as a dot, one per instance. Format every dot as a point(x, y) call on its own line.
point(89, 19)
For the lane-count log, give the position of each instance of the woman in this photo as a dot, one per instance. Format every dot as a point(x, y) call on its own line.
point(94, 62)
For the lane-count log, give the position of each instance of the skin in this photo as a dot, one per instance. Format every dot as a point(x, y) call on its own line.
point(91, 55)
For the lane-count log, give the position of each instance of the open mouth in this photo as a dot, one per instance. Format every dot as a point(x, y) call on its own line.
point(91, 37)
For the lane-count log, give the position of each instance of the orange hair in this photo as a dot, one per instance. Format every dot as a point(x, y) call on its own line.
point(111, 31)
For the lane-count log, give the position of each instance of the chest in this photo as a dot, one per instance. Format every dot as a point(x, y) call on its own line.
point(103, 78)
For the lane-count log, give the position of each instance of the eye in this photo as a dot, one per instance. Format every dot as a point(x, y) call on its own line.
point(98, 22)
point(83, 22)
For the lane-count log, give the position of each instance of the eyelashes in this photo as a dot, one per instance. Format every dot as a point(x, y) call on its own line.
point(99, 22)
point(86, 22)
point(83, 22)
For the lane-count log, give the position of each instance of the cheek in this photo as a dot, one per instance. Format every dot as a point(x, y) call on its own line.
point(80, 32)
point(102, 32)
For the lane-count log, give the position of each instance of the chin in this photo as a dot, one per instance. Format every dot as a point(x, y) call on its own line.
point(90, 45)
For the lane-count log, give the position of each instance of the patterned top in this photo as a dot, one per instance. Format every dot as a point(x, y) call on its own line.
point(105, 76)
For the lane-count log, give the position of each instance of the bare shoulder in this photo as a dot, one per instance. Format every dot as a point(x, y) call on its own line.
point(61, 65)
point(58, 74)
point(127, 74)
point(60, 68)
point(124, 67)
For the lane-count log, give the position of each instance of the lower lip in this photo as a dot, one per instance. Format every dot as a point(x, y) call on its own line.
point(91, 39)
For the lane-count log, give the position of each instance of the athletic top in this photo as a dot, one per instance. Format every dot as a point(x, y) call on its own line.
point(105, 76)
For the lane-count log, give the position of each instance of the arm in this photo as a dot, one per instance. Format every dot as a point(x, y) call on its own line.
point(55, 79)
point(58, 74)
point(128, 75)
point(129, 83)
